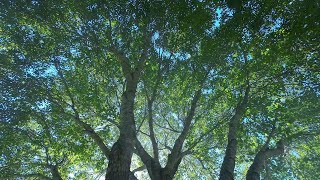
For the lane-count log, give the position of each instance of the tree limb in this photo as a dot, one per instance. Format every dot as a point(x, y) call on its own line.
point(228, 165)
point(88, 129)
point(141, 168)
point(174, 156)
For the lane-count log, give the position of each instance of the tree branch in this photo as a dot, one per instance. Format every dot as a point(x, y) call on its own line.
point(170, 128)
point(174, 156)
point(145, 157)
point(141, 168)
point(88, 129)
point(259, 160)
point(228, 165)
point(150, 102)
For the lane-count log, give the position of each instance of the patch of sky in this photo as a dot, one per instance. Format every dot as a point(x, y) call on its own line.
point(100, 128)
point(41, 69)
point(92, 6)
point(246, 120)
point(50, 71)
point(35, 2)
point(271, 25)
point(207, 91)
point(21, 57)
point(71, 175)
point(217, 20)
point(174, 115)
point(36, 159)
point(42, 105)
point(79, 31)
point(162, 52)
point(155, 37)
point(216, 152)
point(230, 59)
point(277, 24)
point(261, 137)
point(75, 53)
point(30, 32)
point(246, 35)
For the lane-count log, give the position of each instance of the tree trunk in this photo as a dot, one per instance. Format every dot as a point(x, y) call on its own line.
point(122, 150)
point(168, 174)
point(163, 173)
point(156, 172)
point(257, 166)
point(228, 165)
point(55, 173)
point(120, 160)
point(259, 160)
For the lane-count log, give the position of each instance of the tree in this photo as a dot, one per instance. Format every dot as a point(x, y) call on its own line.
point(117, 88)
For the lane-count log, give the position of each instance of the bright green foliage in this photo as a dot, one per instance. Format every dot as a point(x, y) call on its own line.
point(60, 61)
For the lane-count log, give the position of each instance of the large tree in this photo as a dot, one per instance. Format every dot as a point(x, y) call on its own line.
point(159, 90)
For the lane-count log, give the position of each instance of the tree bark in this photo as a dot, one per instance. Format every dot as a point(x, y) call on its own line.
point(55, 173)
point(259, 160)
point(228, 165)
point(122, 150)
point(153, 166)
point(152, 134)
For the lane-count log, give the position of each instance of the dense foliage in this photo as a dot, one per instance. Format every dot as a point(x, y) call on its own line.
point(159, 89)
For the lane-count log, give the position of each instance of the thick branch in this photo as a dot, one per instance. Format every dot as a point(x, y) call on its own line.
point(141, 168)
point(152, 134)
point(143, 154)
point(55, 172)
point(173, 157)
point(265, 153)
point(124, 61)
point(259, 160)
point(88, 129)
point(150, 115)
point(228, 165)
point(150, 163)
